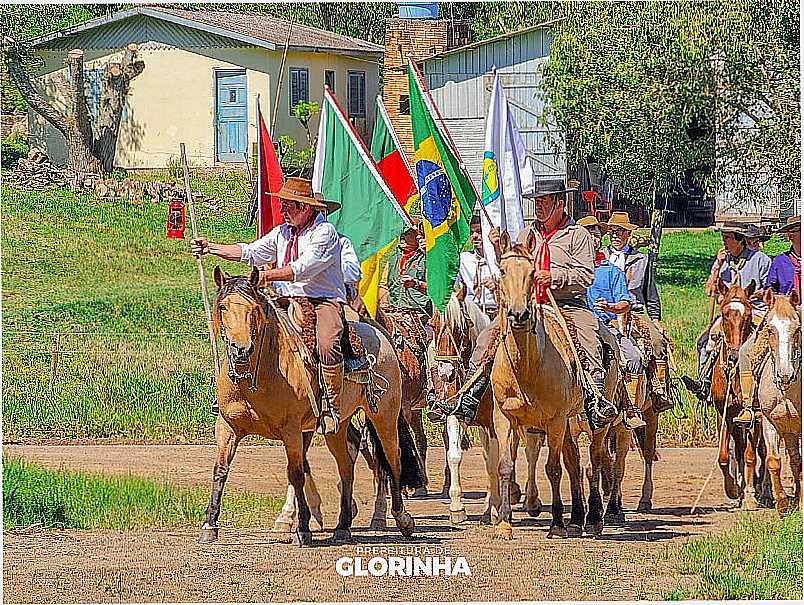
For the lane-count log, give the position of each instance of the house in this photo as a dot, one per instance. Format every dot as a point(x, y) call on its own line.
point(203, 73)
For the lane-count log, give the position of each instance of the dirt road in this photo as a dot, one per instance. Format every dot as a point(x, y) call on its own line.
point(630, 562)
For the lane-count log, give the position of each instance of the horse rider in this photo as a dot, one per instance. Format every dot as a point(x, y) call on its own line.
point(608, 297)
point(475, 273)
point(305, 253)
point(406, 283)
point(754, 238)
point(784, 275)
point(745, 265)
point(565, 264)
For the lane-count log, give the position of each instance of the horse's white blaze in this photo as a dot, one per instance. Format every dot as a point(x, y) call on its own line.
point(736, 306)
point(784, 327)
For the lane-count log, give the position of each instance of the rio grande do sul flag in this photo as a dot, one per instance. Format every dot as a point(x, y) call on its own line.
point(507, 173)
point(391, 161)
point(369, 214)
point(447, 195)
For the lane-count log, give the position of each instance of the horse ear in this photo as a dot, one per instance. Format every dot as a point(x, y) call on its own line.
point(219, 279)
point(530, 242)
point(505, 242)
point(768, 298)
point(752, 286)
point(795, 299)
point(254, 277)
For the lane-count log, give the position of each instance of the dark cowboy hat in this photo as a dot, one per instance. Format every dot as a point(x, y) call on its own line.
point(793, 224)
point(301, 191)
point(550, 188)
point(753, 231)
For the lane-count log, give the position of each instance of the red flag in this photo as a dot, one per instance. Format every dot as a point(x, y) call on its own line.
point(386, 151)
point(269, 180)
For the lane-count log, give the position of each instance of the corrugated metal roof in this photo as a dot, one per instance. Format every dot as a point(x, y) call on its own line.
point(250, 29)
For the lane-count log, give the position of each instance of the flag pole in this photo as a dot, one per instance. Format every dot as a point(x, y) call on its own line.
point(442, 128)
point(188, 192)
point(259, 169)
point(392, 131)
point(279, 83)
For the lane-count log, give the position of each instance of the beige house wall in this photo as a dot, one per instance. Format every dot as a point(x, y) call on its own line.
point(173, 100)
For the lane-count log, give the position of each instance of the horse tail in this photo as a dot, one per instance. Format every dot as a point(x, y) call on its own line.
point(411, 468)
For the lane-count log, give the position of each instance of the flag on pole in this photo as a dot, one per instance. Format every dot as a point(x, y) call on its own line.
point(391, 160)
point(507, 173)
point(269, 179)
point(369, 214)
point(447, 194)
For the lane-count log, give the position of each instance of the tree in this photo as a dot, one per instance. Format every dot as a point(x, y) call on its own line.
point(90, 147)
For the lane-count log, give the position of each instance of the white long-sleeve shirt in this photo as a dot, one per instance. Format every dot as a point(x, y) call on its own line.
point(350, 265)
point(467, 273)
point(317, 271)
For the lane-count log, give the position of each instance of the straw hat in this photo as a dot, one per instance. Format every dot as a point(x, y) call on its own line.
point(732, 227)
point(591, 221)
point(301, 191)
point(793, 224)
point(622, 220)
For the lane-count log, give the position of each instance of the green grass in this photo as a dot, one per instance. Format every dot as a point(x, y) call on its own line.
point(760, 558)
point(36, 496)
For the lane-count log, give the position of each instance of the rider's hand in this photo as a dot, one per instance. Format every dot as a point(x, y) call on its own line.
point(721, 256)
point(264, 281)
point(494, 236)
point(544, 278)
point(199, 246)
point(489, 284)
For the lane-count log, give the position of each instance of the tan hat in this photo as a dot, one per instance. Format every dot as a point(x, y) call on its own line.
point(793, 224)
point(591, 221)
point(622, 220)
point(301, 191)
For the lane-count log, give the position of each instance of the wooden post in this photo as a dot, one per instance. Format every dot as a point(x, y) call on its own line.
point(54, 357)
point(199, 261)
point(279, 84)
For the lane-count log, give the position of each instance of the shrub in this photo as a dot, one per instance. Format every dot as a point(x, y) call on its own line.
point(14, 148)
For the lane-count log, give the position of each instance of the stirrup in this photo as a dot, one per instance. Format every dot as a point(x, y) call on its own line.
point(634, 422)
point(746, 416)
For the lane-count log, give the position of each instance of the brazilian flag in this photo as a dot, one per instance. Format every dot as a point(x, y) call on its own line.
point(446, 195)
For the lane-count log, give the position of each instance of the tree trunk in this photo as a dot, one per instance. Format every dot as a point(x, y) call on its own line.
point(80, 142)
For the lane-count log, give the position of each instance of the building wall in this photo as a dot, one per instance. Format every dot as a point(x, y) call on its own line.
point(173, 100)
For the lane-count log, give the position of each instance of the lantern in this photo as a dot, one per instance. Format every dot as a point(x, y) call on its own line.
point(175, 220)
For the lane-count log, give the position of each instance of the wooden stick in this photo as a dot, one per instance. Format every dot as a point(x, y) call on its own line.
point(199, 261)
point(279, 84)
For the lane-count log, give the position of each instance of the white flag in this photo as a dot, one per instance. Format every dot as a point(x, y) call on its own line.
point(507, 173)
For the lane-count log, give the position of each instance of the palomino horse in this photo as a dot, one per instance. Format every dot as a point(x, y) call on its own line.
point(779, 390)
point(737, 446)
point(535, 385)
point(267, 391)
point(455, 335)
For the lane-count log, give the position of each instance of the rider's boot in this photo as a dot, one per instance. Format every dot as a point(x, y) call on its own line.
point(633, 416)
point(332, 378)
point(701, 387)
point(746, 415)
point(468, 401)
point(658, 384)
point(599, 410)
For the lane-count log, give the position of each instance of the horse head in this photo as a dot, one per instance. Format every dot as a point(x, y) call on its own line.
point(452, 342)
point(517, 271)
point(735, 311)
point(783, 325)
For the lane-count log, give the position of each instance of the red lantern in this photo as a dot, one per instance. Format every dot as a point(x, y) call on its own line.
point(175, 220)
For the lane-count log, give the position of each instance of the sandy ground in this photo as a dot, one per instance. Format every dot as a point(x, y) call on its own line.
point(632, 562)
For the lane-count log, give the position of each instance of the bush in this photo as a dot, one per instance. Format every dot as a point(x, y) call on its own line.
point(14, 148)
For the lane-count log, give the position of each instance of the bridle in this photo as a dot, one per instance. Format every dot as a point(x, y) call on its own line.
point(459, 360)
point(795, 357)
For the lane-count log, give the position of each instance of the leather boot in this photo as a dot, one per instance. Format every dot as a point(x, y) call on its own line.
point(633, 417)
point(746, 416)
point(435, 412)
point(599, 410)
point(469, 402)
point(332, 378)
point(658, 383)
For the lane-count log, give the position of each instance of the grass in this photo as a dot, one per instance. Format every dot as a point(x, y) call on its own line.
point(35, 496)
point(134, 361)
point(760, 558)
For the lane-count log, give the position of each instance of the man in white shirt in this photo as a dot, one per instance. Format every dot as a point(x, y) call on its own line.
point(475, 274)
point(305, 253)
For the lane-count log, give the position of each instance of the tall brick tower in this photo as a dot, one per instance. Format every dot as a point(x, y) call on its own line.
point(416, 33)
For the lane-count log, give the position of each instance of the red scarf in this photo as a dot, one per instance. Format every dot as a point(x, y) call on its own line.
point(599, 258)
point(405, 258)
point(795, 260)
point(543, 255)
point(292, 250)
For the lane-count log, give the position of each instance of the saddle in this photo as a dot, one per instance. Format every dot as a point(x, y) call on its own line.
point(410, 339)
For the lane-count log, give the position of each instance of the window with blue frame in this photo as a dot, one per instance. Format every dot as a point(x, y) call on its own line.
point(299, 87)
point(357, 94)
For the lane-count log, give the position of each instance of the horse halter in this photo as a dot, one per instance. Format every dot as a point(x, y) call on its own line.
point(517, 253)
point(458, 359)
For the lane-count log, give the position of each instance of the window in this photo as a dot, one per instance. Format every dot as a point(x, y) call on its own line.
point(404, 105)
point(329, 80)
point(357, 94)
point(93, 82)
point(299, 86)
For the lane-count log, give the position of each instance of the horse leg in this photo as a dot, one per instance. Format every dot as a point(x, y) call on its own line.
point(555, 444)
point(533, 444)
point(504, 430)
point(774, 461)
point(457, 511)
point(572, 462)
point(607, 468)
point(378, 518)
point(294, 449)
point(227, 441)
point(516, 489)
point(622, 441)
point(310, 488)
point(648, 455)
point(417, 424)
point(792, 444)
point(740, 445)
point(339, 448)
point(724, 460)
point(491, 457)
point(284, 521)
point(750, 456)
point(447, 477)
point(594, 516)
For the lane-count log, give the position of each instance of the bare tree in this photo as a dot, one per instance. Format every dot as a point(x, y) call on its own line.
point(90, 148)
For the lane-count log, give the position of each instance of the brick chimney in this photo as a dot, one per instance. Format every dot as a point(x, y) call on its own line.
point(417, 39)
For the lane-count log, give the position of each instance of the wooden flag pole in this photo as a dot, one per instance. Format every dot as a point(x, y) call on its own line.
point(188, 192)
point(279, 84)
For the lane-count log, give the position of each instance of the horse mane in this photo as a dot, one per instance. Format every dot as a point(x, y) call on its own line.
point(479, 319)
point(453, 315)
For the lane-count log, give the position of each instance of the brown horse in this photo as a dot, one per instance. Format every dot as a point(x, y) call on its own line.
point(536, 385)
point(267, 391)
point(779, 390)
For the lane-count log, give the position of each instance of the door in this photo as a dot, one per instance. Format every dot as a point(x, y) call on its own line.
point(231, 116)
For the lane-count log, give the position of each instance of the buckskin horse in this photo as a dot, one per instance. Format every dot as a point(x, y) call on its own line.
point(778, 378)
point(535, 384)
point(268, 390)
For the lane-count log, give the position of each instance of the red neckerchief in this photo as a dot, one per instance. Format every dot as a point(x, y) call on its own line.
point(543, 255)
point(599, 258)
point(795, 260)
point(405, 259)
point(292, 250)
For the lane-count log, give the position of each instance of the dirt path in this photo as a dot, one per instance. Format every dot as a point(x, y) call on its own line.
point(631, 562)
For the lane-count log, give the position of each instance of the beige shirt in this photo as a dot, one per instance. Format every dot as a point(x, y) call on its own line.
point(572, 262)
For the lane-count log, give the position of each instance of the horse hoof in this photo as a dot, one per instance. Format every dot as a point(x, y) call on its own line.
point(733, 503)
point(302, 539)
point(207, 535)
point(615, 519)
point(342, 536)
point(557, 532)
point(378, 525)
point(283, 527)
point(405, 524)
point(574, 531)
point(456, 517)
point(354, 512)
point(318, 518)
point(485, 519)
point(594, 529)
point(515, 494)
point(732, 493)
point(445, 492)
point(504, 531)
point(535, 511)
point(644, 506)
point(420, 492)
